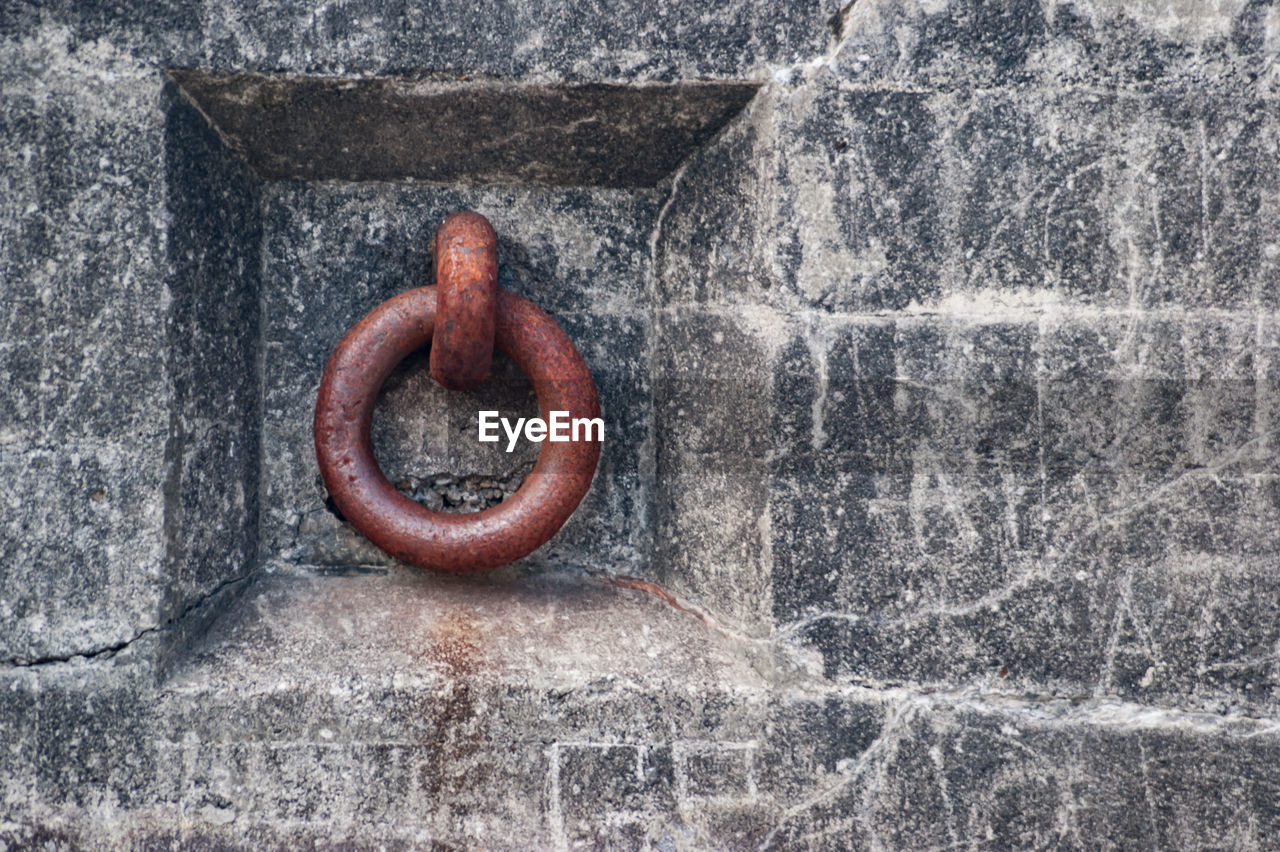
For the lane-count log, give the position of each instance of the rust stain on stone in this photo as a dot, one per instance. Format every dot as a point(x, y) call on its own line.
point(627, 582)
point(457, 735)
point(455, 645)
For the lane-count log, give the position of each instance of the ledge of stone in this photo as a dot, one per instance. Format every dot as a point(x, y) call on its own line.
point(387, 129)
point(555, 630)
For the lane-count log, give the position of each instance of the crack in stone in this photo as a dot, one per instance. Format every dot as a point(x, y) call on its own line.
point(655, 235)
point(108, 651)
point(674, 601)
point(837, 22)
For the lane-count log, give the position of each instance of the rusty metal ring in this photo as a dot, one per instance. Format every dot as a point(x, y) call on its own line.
point(411, 532)
point(466, 255)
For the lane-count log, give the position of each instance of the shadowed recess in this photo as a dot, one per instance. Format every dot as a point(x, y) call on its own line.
point(384, 129)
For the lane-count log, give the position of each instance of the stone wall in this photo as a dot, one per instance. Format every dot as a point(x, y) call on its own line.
point(1012, 292)
point(937, 345)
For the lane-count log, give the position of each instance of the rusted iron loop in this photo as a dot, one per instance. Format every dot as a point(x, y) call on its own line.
point(466, 262)
point(411, 532)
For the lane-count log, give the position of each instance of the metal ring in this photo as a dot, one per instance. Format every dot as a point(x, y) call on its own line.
point(411, 532)
point(466, 255)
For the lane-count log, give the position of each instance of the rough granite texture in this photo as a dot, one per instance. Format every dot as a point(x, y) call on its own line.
point(939, 492)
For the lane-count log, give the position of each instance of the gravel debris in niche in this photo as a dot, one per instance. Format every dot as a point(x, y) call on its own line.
point(446, 493)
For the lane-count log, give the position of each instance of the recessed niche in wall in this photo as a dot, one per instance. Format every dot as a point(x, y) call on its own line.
point(354, 174)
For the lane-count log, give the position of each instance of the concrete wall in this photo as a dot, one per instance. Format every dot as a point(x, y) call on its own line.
point(937, 344)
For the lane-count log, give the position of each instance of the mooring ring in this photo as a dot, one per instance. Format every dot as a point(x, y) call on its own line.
point(413, 533)
point(466, 261)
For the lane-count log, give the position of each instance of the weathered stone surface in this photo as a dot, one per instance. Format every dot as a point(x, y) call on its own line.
point(506, 39)
point(83, 407)
point(1008, 191)
point(941, 396)
point(312, 128)
point(78, 570)
point(402, 709)
point(1020, 352)
point(712, 451)
point(1138, 46)
point(213, 446)
point(130, 354)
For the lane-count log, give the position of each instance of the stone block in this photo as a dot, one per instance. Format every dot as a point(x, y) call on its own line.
point(718, 770)
point(128, 271)
point(954, 45)
point(95, 748)
point(977, 202)
point(946, 45)
point(711, 389)
point(709, 244)
point(620, 777)
point(315, 129)
point(81, 569)
point(856, 217)
point(212, 449)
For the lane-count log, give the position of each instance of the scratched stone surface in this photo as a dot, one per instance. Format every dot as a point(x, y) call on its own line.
point(512, 712)
point(937, 505)
point(1014, 308)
